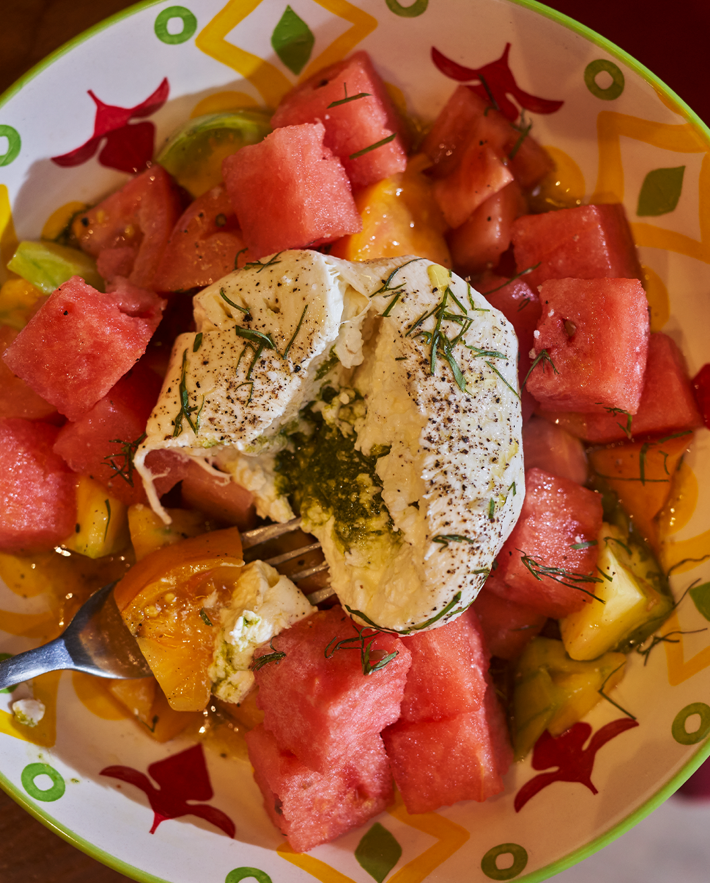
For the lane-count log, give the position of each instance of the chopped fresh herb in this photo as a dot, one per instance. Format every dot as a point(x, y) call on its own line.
point(394, 300)
point(491, 96)
point(512, 488)
point(275, 656)
point(560, 575)
point(524, 128)
point(372, 660)
point(107, 504)
point(586, 545)
point(127, 453)
point(512, 279)
point(237, 256)
point(198, 342)
point(186, 409)
point(438, 341)
point(542, 357)
point(347, 97)
point(231, 303)
point(668, 638)
point(204, 617)
point(258, 337)
point(491, 509)
point(615, 704)
point(295, 333)
point(626, 428)
point(446, 538)
point(374, 146)
point(473, 305)
point(252, 265)
point(449, 609)
point(385, 287)
point(511, 388)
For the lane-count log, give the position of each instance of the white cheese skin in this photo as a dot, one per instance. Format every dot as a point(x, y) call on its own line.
point(306, 303)
point(263, 604)
point(453, 480)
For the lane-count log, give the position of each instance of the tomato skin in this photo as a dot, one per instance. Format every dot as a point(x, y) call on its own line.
point(201, 553)
point(701, 388)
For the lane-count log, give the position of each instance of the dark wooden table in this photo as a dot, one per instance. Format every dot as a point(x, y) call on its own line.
point(670, 39)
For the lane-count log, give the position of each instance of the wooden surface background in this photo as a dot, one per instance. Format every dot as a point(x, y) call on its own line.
point(669, 38)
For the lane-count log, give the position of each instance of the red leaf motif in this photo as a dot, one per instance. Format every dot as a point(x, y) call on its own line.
point(574, 762)
point(181, 777)
point(128, 148)
point(500, 82)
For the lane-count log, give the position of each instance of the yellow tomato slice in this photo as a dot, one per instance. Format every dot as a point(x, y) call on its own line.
point(170, 601)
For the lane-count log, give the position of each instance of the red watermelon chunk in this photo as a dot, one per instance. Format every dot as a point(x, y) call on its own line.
point(558, 528)
point(37, 489)
point(16, 397)
point(436, 763)
point(480, 241)
point(351, 126)
point(289, 191)
point(320, 708)
point(204, 245)
point(507, 626)
point(102, 442)
point(311, 807)
point(448, 671)
point(136, 220)
point(585, 242)
point(596, 332)
point(667, 402)
point(87, 341)
point(549, 447)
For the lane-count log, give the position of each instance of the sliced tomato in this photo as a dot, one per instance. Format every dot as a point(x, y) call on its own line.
point(137, 219)
point(701, 387)
point(203, 246)
point(170, 601)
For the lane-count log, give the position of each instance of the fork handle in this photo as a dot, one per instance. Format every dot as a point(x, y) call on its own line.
point(27, 665)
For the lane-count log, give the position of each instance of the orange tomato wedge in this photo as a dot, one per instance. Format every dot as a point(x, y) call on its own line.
point(171, 600)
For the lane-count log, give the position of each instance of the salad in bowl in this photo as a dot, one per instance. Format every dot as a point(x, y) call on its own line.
point(443, 309)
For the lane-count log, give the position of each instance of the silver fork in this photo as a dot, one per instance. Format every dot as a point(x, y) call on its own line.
point(98, 642)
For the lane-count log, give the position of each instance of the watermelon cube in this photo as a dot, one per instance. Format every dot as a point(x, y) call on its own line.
point(16, 397)
point(289, 191)
point(480, 241)
point(595, 332)
point(448, 673)
point(667, 402)
point(507, 626)
point(311, 807)
point(101, 444)
point(204, 245)
point(87, 341)
point(37, 488)
point(550, 448)
point(549, 561)
point(316, 701)
point(585, 242)
point(352, 126)
point(136, 220)
point(436, 763)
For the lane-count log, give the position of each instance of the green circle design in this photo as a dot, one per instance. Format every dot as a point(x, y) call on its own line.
point(411, 11)
point(590, 78)
point(247, 873)
point(680, 734)
point(32, 771)
point(490, 867)
point(189, 25)
point(14, 144)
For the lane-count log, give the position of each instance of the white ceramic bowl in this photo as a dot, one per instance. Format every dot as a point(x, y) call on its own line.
point(616, 124)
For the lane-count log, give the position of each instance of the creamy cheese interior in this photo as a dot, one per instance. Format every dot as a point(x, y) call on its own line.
point(418, 374)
